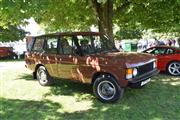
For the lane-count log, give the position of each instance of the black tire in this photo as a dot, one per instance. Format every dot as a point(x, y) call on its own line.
point(106, 89)
point(14, 57)
point(43, 76)
point(173, 68)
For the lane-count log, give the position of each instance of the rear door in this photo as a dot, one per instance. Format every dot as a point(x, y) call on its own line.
point(65, 57)
point(72, 63)
point(49, 56)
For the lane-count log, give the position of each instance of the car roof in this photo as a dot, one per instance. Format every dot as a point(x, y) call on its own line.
point(163, 46)
point(68, 34)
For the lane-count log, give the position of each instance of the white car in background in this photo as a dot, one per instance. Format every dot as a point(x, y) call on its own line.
point(19, 49)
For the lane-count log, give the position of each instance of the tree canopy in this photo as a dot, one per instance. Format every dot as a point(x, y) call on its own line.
point(11, 33)
point(128, 34)
point(69, 15)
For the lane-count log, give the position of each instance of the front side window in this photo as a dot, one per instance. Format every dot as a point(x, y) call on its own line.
point(86, 44)
point(38, 45)
point(51, 46)
point(91, 44)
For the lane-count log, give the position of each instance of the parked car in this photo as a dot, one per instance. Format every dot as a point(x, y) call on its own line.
point(168, 58)
point(89, 57)
point(20, 50)
point(7, 52)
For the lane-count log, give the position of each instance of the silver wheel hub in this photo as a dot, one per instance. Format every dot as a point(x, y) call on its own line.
point(106, 90)
point(42, 77)
point(174, 68)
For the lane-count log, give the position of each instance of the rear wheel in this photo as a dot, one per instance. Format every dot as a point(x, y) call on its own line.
point(174, 68)
point(43, 77)
point(106, 89)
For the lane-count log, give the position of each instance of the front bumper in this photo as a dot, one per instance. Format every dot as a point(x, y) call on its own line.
point(136, 82)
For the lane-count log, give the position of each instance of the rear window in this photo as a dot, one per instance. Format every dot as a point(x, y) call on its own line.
point(29, 43)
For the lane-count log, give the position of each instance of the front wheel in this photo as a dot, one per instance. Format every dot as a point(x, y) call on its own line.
point(106, 89)
point(174, 68)
point(43, 77)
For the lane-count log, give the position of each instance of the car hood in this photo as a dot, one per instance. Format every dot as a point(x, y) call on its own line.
point(131, 59)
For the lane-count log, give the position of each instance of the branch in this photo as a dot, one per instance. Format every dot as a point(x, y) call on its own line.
point(123, 6)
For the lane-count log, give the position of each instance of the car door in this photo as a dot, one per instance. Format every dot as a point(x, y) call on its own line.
point(49, 56)
point(66, 59)
point(72, 63)
point(84, 58)
point(161, 56)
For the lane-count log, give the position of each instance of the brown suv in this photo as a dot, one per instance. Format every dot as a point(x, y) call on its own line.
point(89, 57)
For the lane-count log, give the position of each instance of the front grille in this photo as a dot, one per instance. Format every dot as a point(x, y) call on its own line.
point(145, 68)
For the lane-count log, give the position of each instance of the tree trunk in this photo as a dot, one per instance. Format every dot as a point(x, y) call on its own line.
point(104, 12)
point(178, 40)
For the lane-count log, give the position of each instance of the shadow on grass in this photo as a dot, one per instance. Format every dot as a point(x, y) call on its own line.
point(63, 87)
point(158, 100)
point(164, 73)
point(25, 77)
point(15, 109)
point(70, 88)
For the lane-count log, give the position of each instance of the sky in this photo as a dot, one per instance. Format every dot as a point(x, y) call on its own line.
point(33, 28)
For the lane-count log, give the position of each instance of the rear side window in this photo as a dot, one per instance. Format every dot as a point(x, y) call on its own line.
point(51, 46)
point(38, 45)
point(66, 45)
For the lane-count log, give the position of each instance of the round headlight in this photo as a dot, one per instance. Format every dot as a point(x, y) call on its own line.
point(135, 71)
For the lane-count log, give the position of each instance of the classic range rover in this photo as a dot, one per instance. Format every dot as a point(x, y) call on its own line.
point(89, 57)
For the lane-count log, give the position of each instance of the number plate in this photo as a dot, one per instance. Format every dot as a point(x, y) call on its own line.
point(145, 82)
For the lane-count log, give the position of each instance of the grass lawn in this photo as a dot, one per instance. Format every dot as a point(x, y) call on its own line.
point(22, 98)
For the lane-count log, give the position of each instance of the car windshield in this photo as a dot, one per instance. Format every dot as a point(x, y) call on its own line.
point(90, 44)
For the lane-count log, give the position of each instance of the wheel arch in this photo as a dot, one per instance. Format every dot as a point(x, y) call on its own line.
point(170, 63)
point(167, 70)
point(97, 74)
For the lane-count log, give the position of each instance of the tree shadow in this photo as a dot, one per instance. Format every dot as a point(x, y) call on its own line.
point(16, 109)
point(157, 100)
point(63, 87)
point(164, 73)
point(70, 88)
point(25, 76)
